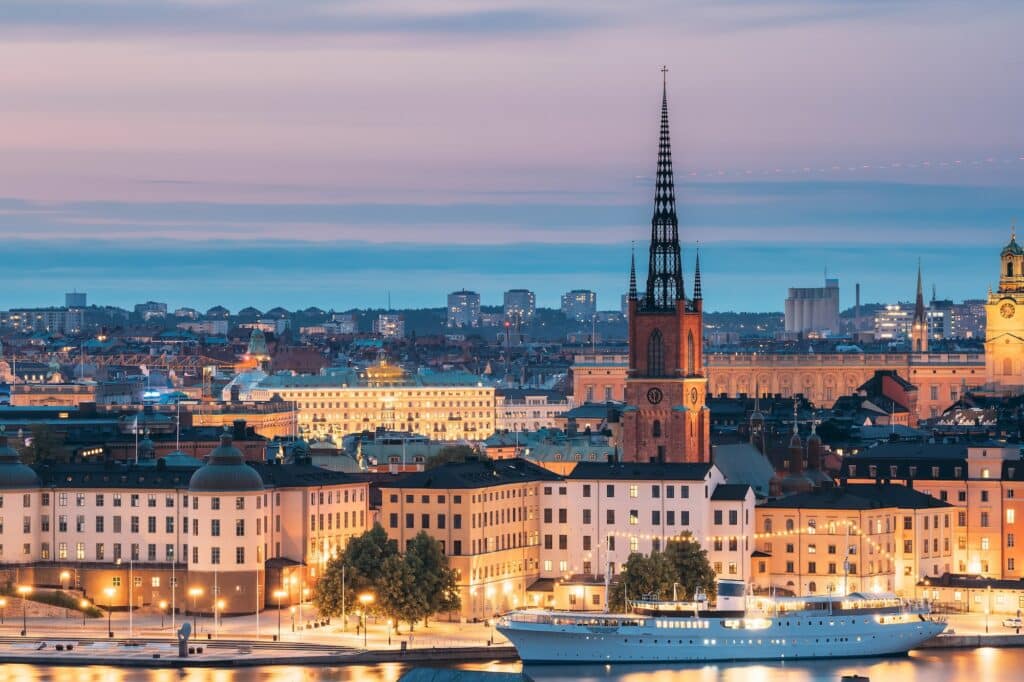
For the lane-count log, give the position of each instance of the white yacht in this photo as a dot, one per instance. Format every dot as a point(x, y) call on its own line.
point(739, 628)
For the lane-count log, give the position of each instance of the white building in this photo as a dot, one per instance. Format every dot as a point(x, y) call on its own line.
point(893, 323)
point(579, 305)
point(463, 309)
point(520, 304)
point(813, 309)
point(524, 409)
point(389, 325)
point(603, 512)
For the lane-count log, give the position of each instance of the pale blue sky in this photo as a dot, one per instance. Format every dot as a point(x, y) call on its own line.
point(858, 134)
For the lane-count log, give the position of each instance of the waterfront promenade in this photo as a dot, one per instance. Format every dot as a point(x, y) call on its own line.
point(149, 643)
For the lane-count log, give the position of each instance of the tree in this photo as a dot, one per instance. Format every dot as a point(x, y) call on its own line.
point(399, 594)
point(691, 566)
point(44, 443)
point(433, 576)
point(362, 559)
point(451, 453)
point(651, 576)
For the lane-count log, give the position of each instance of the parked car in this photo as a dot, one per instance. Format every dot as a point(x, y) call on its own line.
point(1017, 622)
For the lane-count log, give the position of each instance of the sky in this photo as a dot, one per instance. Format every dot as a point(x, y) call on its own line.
point(328, 152)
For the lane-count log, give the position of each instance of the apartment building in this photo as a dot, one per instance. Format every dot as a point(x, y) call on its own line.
point(983, 481)
point(224, 534)
point(857, 537)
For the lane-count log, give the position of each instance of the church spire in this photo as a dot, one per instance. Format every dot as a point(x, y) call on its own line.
point(697, 294)
point(919, 315)
point(632, 273)
point(664, 269)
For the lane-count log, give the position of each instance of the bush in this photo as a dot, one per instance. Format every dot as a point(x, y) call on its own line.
point(60, 599)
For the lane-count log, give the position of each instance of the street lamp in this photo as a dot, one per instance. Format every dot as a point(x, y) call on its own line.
point(390, 624)
point(65, 578)
point(163, 609)
point(988, 605)
point(291, 610)
point(83, 604)
point(218, 608)
point(279, 594)
point(24, 591)
point(365, 599)
point(3, 609)
point(110, 609)
point(195, 593)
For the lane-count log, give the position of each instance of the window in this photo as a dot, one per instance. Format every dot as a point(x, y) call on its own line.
point(1011, 515)
point(656, 491)
point(215, 503)
point(655, 517)
point(609, 516)
point(634, 491)
point(733, 517)
point(586, 545)
point(151, 500)
point(655, 355)
point(656, 429)
point(634, 517)
point(609, 490)
point(586, 516)
point(240, 502)
point(718, 517)
point(670, 518)
point(215, 555)
point(984, 544)
point(984, 519)
point(634, 544)
point(563, 515)
point(151, 524)
point(239, 555)
point(240, 528)
point(984, 496)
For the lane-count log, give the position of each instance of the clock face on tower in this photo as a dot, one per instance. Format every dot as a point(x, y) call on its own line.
point(693, 395)
point(1007, 309)
point(654, 396)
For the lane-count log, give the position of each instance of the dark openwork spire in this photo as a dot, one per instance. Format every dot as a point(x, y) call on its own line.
point(632, 273)
point(664, 269)
point(697, 294)
point(919, 314)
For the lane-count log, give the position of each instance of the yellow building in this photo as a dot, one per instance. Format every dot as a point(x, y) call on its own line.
point(1004, 324)
point(867, 537)
point(486, 516)
point(443, 405)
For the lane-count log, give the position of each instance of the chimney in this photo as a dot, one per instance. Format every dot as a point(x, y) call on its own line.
point(238, 430)
point(856, 308)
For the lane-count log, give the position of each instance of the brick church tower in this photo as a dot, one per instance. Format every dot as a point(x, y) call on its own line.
point(666, 418)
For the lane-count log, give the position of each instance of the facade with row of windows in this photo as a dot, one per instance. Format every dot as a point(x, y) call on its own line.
point(223, 534)
point(446, 406)
point(984, 482)
point(512, 529)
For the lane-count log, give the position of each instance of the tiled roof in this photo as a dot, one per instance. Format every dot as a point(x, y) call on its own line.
point(859, 497)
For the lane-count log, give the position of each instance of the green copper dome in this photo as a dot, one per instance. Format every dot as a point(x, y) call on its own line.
point(13, 473)
point(225, 471)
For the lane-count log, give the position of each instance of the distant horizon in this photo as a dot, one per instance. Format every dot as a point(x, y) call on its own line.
point(311, 153)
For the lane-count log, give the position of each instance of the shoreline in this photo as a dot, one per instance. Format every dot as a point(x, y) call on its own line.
point(238, 654)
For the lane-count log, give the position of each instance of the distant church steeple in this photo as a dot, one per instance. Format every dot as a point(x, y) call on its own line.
point(919, 327)
point(698, 294)
point(632, 274)
point(664, 269)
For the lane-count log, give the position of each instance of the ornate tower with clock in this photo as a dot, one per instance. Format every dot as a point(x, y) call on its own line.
point(1004, 323)
point(666, 418)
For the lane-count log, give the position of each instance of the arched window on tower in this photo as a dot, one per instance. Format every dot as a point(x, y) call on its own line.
point(655, 355)
point(656, 428)
point(691, 360)
point(1009, 268)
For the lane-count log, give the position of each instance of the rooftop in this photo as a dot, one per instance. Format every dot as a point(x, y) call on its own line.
point(473, 473)
point(860, 496)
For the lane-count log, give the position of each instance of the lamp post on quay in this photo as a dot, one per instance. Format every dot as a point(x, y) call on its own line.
point(3, 609)
point(110, 609)
point(24, 591)
point(163, 610)
point(279, 594)
point(195, 593)
point(365, 599)
point(84, 605)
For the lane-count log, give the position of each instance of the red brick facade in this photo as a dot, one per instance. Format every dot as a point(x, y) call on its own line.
point(667, 418)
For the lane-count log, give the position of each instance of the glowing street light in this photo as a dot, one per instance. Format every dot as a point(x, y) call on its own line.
point(218, 609)
point(279, 595)
point(110, 609)
point(195, 593)
point(84, 605)
point(366, 598)
point(163, 610)
point(3, 609)
point(24, 591)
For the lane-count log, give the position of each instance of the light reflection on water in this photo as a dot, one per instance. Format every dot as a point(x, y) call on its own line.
point(980, 665)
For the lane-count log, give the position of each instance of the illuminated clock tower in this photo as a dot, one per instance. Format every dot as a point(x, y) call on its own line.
point(666, 418)
point(1004, 323)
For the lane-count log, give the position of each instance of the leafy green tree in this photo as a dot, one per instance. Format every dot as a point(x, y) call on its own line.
point(45, 443)
point(362, 559)
point(434, 578)
point(451, 453)
point(643, 576)
point(692, 569)
point(399, 594)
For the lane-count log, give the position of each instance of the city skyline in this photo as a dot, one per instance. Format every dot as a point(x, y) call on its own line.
point(391, 147)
